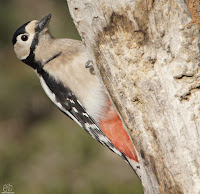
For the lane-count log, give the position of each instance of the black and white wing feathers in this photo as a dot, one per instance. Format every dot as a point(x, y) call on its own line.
point(67, 102)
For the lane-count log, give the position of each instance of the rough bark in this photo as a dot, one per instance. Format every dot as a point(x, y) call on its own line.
point(147, 54)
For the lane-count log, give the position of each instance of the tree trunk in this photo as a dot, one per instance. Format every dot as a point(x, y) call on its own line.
point(146, 52)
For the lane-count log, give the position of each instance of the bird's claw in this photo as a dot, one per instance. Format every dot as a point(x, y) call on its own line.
point(88, 64)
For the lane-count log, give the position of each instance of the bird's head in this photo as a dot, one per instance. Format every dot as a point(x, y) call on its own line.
point(26, 37)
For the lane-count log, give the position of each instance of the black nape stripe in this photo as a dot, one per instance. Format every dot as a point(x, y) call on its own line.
point(52, 58)
point(30, 60)
point(20, 30)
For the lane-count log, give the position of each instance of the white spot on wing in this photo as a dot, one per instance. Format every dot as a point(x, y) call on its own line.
point(86, 115)
point(75, 110)
point(72, 101)
point(78, 101)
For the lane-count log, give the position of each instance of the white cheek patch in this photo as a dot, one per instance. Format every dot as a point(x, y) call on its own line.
point(22, 48)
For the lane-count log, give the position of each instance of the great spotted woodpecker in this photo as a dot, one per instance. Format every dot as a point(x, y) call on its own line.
point(73, 88)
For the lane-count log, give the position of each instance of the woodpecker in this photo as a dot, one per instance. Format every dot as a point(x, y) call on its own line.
point(62, 66)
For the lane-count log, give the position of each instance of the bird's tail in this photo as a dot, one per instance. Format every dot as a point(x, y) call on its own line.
point(135, 166)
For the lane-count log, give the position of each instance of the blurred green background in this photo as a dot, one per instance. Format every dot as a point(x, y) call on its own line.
point(41, 150)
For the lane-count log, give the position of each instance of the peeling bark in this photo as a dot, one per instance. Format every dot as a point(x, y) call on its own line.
point(147, 55)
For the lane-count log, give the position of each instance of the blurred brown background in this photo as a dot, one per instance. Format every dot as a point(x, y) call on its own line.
point(41, 150)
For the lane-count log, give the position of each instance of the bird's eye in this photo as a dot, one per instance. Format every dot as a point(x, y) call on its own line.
point(24, 37)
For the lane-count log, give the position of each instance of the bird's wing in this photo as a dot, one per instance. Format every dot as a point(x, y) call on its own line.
point(67, 102)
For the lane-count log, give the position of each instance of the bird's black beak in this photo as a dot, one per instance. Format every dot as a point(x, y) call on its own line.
point(43, 23)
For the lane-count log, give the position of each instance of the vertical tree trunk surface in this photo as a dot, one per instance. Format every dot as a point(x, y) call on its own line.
point(147, 54)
